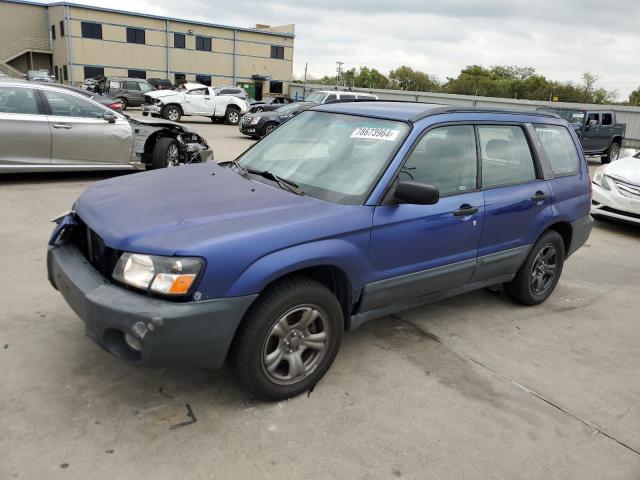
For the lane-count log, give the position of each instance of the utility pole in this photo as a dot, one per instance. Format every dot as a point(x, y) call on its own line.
point(304, 82)
point(339, 78)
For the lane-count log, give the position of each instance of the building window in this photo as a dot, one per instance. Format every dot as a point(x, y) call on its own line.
point(275, 87)
point(204, 79)
point(92, 30)
point(61, 28)
point(93, 72)
point(203, 43)
point(65, 72)
point(56, 73)
point(178, 40)
point(180, 78)
point(137, 74)
point(277, 52)
point(53, 32)
point(135, 35)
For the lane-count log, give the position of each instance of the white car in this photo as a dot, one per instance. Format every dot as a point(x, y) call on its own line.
point(194, 99)
point(325, 96)
point(616, 190)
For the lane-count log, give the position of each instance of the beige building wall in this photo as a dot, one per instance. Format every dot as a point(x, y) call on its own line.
point(22, 27)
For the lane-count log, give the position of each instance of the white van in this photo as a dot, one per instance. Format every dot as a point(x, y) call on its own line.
point(324, 96)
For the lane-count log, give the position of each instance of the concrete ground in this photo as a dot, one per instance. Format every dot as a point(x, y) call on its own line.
point(473, 387)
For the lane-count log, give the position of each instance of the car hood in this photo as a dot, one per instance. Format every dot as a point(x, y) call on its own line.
point(186, 209)
point(269, 115)
point(625, 169)
point(162, 93)
point(154, 122)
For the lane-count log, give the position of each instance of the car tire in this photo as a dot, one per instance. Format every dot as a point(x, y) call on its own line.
point(165, 153)
point(612, 154)
point(232, 117)
point(539, 274)
point(273, 355)
point(145, 114)
point(124, 103)
point(172, 113)
point(259, 109)
point(269, 127)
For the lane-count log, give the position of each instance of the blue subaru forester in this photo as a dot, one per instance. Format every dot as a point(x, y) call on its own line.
point(348, 212)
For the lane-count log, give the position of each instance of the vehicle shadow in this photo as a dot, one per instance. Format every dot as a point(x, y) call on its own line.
point(617, 227)
point(55, 177)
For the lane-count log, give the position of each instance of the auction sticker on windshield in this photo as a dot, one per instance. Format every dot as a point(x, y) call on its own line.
point(376, 133)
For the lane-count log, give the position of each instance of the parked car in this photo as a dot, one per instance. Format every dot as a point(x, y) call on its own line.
point(269, 104)
point(616, 190)
point(598, 130)
point(231, 90)
point(259, 124)
point(194, 99)
point(104, 100)
point(44, 127)
point(129, 91)
point(160, 83)
point(348, 212)
point(324, 96)
point(39, 76)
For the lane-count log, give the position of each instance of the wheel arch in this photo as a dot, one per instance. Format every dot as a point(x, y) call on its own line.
point(565, 231)
point(173, 104)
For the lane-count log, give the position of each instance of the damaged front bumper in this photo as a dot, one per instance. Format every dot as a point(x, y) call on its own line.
point(167, 333)
point(152, 109)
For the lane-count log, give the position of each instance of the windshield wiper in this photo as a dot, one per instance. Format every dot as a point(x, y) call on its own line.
point(283, 182)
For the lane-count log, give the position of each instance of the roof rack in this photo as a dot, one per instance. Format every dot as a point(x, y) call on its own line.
point(452, 109)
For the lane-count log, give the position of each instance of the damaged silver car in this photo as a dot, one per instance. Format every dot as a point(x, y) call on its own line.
point(48, 128)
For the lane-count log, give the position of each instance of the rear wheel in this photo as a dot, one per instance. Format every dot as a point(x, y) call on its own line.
point(165, 153)
point(539, 274)
point(612, 154)
point(171, 112)
point(232, 116)
point(288, 339)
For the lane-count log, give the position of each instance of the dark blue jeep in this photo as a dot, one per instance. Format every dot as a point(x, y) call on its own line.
point(346, 213)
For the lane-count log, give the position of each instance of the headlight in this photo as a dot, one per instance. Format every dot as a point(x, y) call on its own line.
point(600, 179)
point(165, 275)
point(254, 120)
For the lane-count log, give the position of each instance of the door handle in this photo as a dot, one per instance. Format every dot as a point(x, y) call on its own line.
point(465, 210)
point(62, 125)
point(539, 196)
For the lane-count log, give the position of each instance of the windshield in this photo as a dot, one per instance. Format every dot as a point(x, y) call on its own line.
point(286, 109)
point(330, 156)
point(572, 116)
point(316, 97)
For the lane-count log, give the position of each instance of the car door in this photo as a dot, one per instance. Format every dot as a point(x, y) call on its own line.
point(517, 200)
point(132, 93)
point(590, 140)
point(25, 136)
point(80, 134)
point(198, 102)
point(421, 249)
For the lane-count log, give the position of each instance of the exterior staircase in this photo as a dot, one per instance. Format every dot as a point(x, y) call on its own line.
point(20, 47)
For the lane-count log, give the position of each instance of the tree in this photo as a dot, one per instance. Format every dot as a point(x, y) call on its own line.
point(634, 97)
point(406, 78)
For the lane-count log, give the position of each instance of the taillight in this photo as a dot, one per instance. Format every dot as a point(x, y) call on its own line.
point(115, 106)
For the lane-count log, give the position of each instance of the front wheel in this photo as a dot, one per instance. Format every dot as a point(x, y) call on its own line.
point(171, 112)
point(539, 274)
point(612, 154)
point(233, 116)
point(288, 339)
point(165, 153)
point(269, 127)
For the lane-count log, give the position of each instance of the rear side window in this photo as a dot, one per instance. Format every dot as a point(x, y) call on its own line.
point(607, 119)
point(445, 157)
point(18, 100)
point(560, 149)
point(506, 156)
point(131, 85)
point(330, 98)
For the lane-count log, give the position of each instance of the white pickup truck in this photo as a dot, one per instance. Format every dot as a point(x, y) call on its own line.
point(194, 99)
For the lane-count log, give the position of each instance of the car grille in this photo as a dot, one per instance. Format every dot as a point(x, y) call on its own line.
point(245, 120)
point(148, 100)
point(627, 189)
point(101, 257)
point(620, 212)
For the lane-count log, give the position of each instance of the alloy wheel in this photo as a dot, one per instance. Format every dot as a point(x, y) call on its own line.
point(544, 271)
point(234, 117)
point(296, 344)
point(173, 155)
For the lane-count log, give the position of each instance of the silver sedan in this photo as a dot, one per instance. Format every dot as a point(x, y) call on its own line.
point(47, 128)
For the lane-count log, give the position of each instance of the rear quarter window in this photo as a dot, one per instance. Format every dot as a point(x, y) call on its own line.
point(559, 148)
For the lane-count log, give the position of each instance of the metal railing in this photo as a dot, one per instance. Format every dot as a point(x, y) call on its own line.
point(25, 44)
point(9, 70)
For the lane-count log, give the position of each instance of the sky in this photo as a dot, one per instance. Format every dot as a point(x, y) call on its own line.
point(561, 39)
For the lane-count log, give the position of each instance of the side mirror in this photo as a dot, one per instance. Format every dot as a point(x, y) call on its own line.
point(593, 123)
point(109, 117)
point(417, 193)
